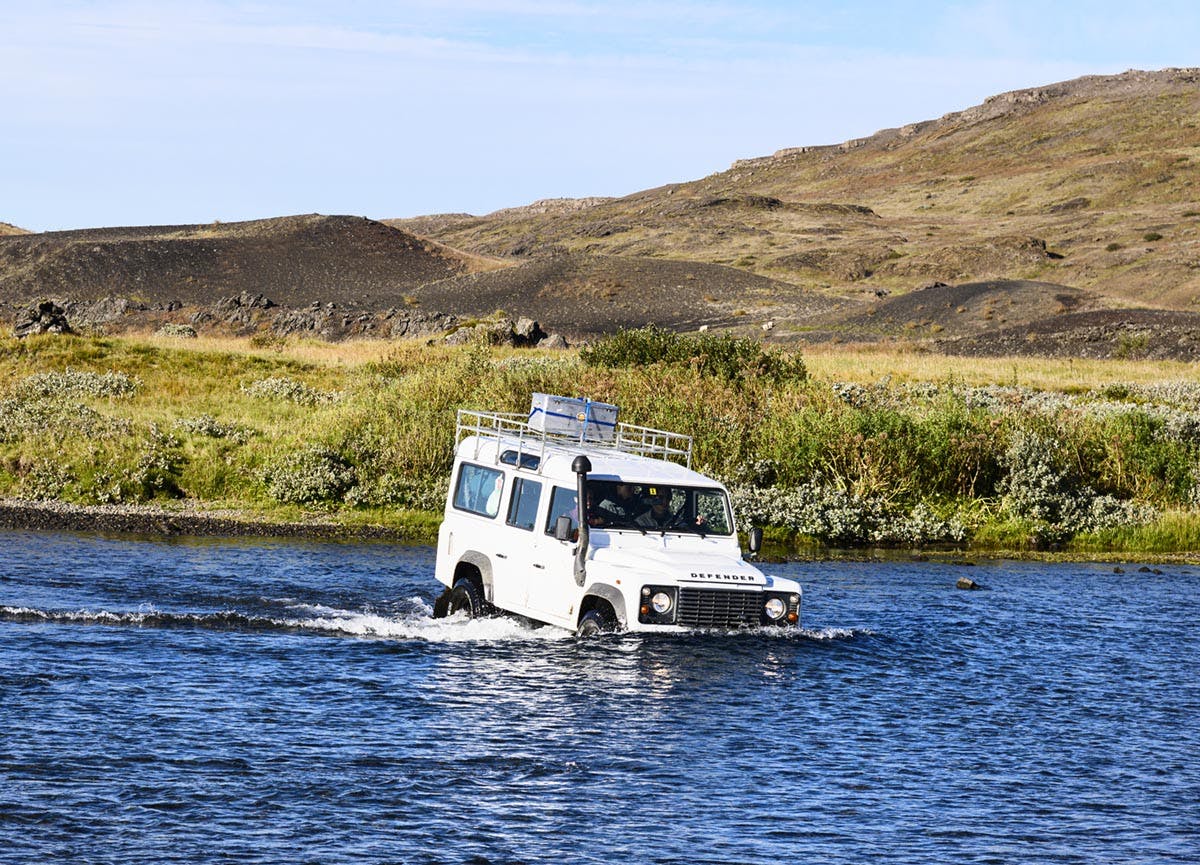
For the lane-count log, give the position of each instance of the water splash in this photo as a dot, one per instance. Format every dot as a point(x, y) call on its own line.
point(417, 626)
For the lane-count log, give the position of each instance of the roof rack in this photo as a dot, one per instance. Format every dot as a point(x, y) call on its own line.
point(515, 429)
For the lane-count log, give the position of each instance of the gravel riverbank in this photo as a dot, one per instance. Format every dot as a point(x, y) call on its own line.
point(154, 520)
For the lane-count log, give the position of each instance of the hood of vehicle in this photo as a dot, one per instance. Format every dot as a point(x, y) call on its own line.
point(689, 566)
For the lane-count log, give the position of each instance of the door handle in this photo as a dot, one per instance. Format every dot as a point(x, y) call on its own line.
point(539, 567)
point(501, 556)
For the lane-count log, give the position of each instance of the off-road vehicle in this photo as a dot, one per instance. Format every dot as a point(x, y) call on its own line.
point(656, 548)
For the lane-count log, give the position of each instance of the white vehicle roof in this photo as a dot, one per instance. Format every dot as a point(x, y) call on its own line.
point(555, 462)
point(630, 452)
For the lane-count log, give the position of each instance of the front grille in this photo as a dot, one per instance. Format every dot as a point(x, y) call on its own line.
point(719, 608)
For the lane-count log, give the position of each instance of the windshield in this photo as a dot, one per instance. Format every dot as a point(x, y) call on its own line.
point(650, 507)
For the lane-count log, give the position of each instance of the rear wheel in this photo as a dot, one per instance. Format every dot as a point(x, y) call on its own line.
point(598, 620)
point(465, 598)
point(441, 607)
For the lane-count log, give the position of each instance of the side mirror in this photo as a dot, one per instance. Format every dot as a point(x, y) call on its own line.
point(754, 541)
point(562, 528)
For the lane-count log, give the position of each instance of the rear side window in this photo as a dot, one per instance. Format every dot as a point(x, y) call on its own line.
point(522, 509)
point(479, 489)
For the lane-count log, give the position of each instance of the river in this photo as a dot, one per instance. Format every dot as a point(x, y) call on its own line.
point(199, 700)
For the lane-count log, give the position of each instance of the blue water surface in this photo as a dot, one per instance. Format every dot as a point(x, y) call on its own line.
point(281, 701)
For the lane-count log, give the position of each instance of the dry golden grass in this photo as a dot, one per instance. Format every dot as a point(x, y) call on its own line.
point(864, 364)
point(307, 351)
point(857, 363)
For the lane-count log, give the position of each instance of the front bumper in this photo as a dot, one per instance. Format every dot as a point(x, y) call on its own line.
point(712, 608)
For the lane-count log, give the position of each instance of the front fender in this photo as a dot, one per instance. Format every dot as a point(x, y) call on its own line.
point(614, 598)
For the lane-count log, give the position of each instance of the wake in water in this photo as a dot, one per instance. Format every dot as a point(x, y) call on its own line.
point(419, 625)
point(416, 624)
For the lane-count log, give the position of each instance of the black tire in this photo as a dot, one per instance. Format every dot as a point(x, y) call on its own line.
point(466, 598)
point(441, 607)
point(597, 620)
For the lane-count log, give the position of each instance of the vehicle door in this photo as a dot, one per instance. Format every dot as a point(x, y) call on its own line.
point(553, 593)
point(521, 549)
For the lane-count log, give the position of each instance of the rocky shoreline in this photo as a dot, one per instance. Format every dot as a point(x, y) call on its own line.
point(158, 521)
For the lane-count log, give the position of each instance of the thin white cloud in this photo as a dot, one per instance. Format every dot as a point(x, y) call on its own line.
point(224, 109)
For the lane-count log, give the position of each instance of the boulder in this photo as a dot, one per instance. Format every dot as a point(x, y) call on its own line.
point(46, 317)
point(245, 300)
point(419, 324)
point(104, 310)
point(554, 340)
point(528, 332)
point(502, 331)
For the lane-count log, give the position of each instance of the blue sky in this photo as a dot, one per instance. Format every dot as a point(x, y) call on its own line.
point(119, 112)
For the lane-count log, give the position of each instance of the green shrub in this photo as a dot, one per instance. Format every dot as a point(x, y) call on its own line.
point(1040, 491)
point(316, 475)
point(427, 494)
point(72, 383)
point(725, 356)
point(176, 331)
point(209, 426)
point(291, 390)
point(45, 480)
point(134, 470)
point(842, 518)
point(1145, 457)
point(56, 418)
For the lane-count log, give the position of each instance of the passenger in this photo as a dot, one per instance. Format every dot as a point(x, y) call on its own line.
point(572, 508)
point(660, 515)
point(623, 505)
point(493, 502)
point(596, 516)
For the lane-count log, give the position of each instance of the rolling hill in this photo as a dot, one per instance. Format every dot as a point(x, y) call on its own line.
point(1056, 210)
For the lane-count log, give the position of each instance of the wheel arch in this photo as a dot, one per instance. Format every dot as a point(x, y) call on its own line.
point(603, 595)
point(477, 568)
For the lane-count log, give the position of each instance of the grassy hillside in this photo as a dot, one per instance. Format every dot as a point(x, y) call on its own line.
point(1074, 204)
point(840, 448)
point(1089, 183)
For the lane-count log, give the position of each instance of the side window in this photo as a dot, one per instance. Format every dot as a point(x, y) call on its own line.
point(562, 503)
point(522, 510)
point(479, 490)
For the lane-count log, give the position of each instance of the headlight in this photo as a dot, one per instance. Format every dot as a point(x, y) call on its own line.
point(657, 605)
point(774, 608)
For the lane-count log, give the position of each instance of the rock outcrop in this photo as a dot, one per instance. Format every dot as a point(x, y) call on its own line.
point(46, 317)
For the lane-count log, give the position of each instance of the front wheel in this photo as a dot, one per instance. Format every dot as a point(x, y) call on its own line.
point(598, 620)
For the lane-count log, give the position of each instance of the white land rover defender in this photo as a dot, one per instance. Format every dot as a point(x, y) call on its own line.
point(657, 549)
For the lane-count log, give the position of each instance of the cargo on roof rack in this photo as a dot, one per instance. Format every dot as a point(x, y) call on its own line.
point(532, 433)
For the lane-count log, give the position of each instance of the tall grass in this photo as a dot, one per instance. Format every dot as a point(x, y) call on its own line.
point(922, 450)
